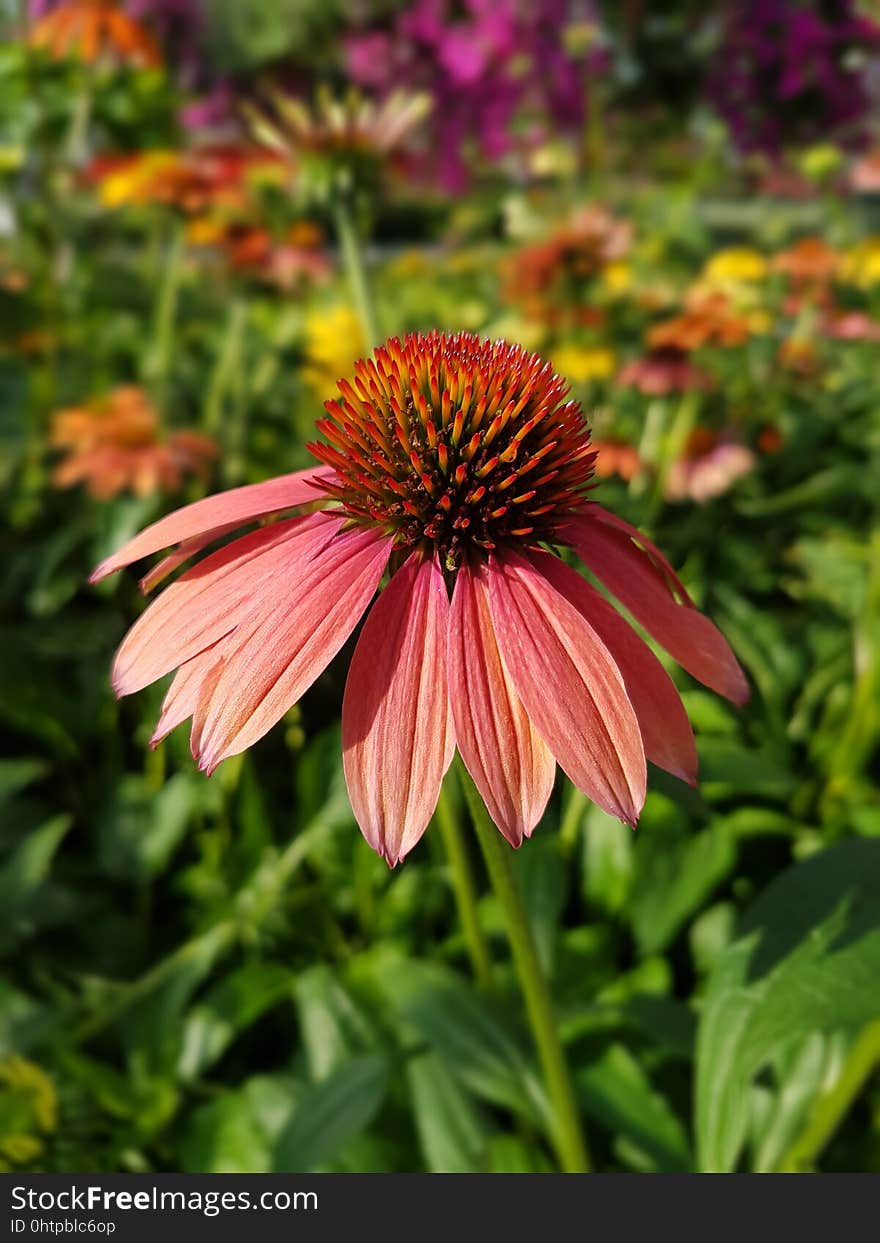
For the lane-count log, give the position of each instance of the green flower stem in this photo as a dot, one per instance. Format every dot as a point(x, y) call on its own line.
point(572, 819)
point(463, 887)
point(226, 368)
point(158, 362)
point(672, 448)
point(830, 1108)
point(568, 1135)
point(355, 271)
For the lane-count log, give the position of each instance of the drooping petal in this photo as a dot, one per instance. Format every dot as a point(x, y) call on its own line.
point(211, 598)
point(182, 696)
point(569, 685)
point(397, 739)
point(225, 509)
point(286, 641)
point(189, 548)
point(666, 731)
point(510, 763)
point(638, 576)
point(650, 549)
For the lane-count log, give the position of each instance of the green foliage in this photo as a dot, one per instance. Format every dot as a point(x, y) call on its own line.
point(219, 975)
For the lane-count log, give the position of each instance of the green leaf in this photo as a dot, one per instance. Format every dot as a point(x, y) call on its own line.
point(728, 770)
point(16, 774)
point(807, 961)
point(616, 1091)
point(452, 1132)
point(468, 1034)
point(609, 863)
point(24, 874)
point(332, 1026)
point(675, 875)
point(142, 827)
point(330, 1113)
point(227, 1009)
point(224, 1137)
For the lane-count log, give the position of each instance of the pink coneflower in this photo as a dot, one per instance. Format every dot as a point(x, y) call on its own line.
point(661, 372)
point(710, 465)
point(452, 464)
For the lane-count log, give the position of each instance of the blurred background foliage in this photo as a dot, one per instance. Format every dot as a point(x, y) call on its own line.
point(680, 208)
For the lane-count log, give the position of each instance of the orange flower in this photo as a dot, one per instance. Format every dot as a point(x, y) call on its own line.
point(95, 30)
point(707, 320)
point(798, 355)
point(546, 274)
point(193, 180)
point(616, 457)
point(113, 444)
point(808, 260)
point(289, 263)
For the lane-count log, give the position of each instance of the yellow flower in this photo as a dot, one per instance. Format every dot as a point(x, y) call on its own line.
point(409, 264)
point(617, 277)
point(134, 179)
point(334, 340)
point(760, 321)
point(737, 264)
point(861, 265)
point(529, 333)
point(583, 363)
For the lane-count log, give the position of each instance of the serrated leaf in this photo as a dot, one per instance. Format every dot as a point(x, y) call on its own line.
point(807, 960)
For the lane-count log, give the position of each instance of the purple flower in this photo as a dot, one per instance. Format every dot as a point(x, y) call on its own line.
point(785, 72)
point(487, 64)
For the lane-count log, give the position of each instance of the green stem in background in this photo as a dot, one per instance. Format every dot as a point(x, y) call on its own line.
point(568, 1135)
point(225, 368)
point(672, 447)
point(157, 366)
point(463, 886)
point(830, 1108)
point(355, 271)
point(859, 734)
point(572, 818)
point(81, 118)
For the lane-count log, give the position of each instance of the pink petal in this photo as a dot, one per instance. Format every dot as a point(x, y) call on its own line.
point(666, 731)
point(397, 739)
point(503, 752)
point(644, 583)
point(286, 641)
point(225, 509)
point(651, 551)
point(569, 685)
point(209, 600)
point(183, 694)
point(189, 548)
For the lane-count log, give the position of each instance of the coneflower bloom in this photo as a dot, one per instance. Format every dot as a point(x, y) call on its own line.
point(710, 465)
point(350, 137)
point(114, 444)
point(458, 467)
point(663, 371)
point(706, 320)
point(95, 30)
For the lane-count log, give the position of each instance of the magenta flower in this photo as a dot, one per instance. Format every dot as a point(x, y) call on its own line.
point(486, 64)
point(453, 464)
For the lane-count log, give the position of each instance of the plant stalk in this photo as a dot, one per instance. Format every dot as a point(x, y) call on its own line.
point(568, 1134)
